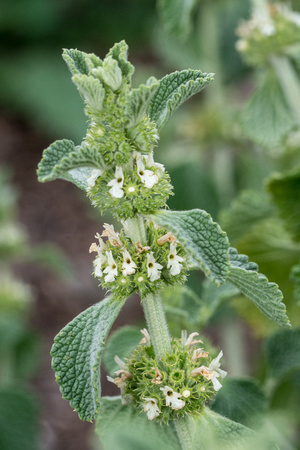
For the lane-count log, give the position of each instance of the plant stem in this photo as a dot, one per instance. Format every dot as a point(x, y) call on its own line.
point(289, 82)
point(135, 229)
point(153, 309)
point(185, 432)
point(157, 324)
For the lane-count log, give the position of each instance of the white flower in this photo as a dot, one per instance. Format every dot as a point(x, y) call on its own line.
point(150, 162)
point(151, 408)
point(174, 260)
point(111, 270)
point(199, 353)
point(112, 236)
point(95, 173)
point(153, 268)
point(146, 339)
point(101, 258)
point(189, 340)
point(172, 398)
point(212, 372)
point(116, 183)
point(148, 177)
point(128, 265)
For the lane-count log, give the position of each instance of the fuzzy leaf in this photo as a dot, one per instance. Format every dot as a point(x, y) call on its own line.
point(138, 102)
point(266, 296)
point(176, 16)
point(204, 241)
point(241, 400)
point(77, 352)
point(91, 89)
point(62, 157)
point(173, 90)
point(266, 118)
point(284, 189)
point(119, 52)
point(121, 427)
point(76, 61)
point(122, 343)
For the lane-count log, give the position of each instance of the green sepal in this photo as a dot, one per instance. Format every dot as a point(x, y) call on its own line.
point(138, 101)
point(76, 61)
point(77, 352)
point(62, 157)
point(173, 90)
point(119, 52)
point(266, 296)
point(284, 189)
point(201, 238)
point(91, 90)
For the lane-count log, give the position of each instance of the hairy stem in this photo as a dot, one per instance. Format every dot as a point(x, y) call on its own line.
point(157, 324)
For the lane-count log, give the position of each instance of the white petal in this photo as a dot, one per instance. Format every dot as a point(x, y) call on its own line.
point(95, 173)
point(216, 383)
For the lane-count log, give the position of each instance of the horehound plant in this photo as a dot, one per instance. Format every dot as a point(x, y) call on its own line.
point(168, 380)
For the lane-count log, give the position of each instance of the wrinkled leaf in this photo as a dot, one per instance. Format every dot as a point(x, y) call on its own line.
point(138, 101)
point(77, 352)
point(266, 296)
point(202, 239)
point(76, 61)
point(65, 161)
point(173, 90)
point(91, 89)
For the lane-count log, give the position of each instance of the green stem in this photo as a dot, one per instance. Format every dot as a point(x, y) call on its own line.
point(184, 428)
point(289, 82)
point(135, 229)
point(157, 324)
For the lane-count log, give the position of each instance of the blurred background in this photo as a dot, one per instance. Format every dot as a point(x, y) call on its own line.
point(213, 158)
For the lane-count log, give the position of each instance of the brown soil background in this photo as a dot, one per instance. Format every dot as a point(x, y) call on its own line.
point(55, 213)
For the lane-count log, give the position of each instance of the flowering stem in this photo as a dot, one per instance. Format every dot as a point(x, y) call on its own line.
point(157, 324)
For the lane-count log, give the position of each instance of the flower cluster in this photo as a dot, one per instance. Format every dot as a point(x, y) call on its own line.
point(141, 187)
point(269, 34)
point(181, 382)
point(124, 267)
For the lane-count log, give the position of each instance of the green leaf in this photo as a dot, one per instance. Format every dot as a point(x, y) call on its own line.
point(173, 90)
point(266, 296)
point(267, 118)
point(249, 208)
point(284, 189)
point(202, 239)
point(119, 52)
point(18, 419)
point(76, 61)
point(283, 352)
point(177, 16)
point(122, 427)
point(61, 157)
point(122, 343)
point(138, 101)
point(209, 430)
point(241, 400)
point(295, 277)
point(91, 89)
point(77, 352)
